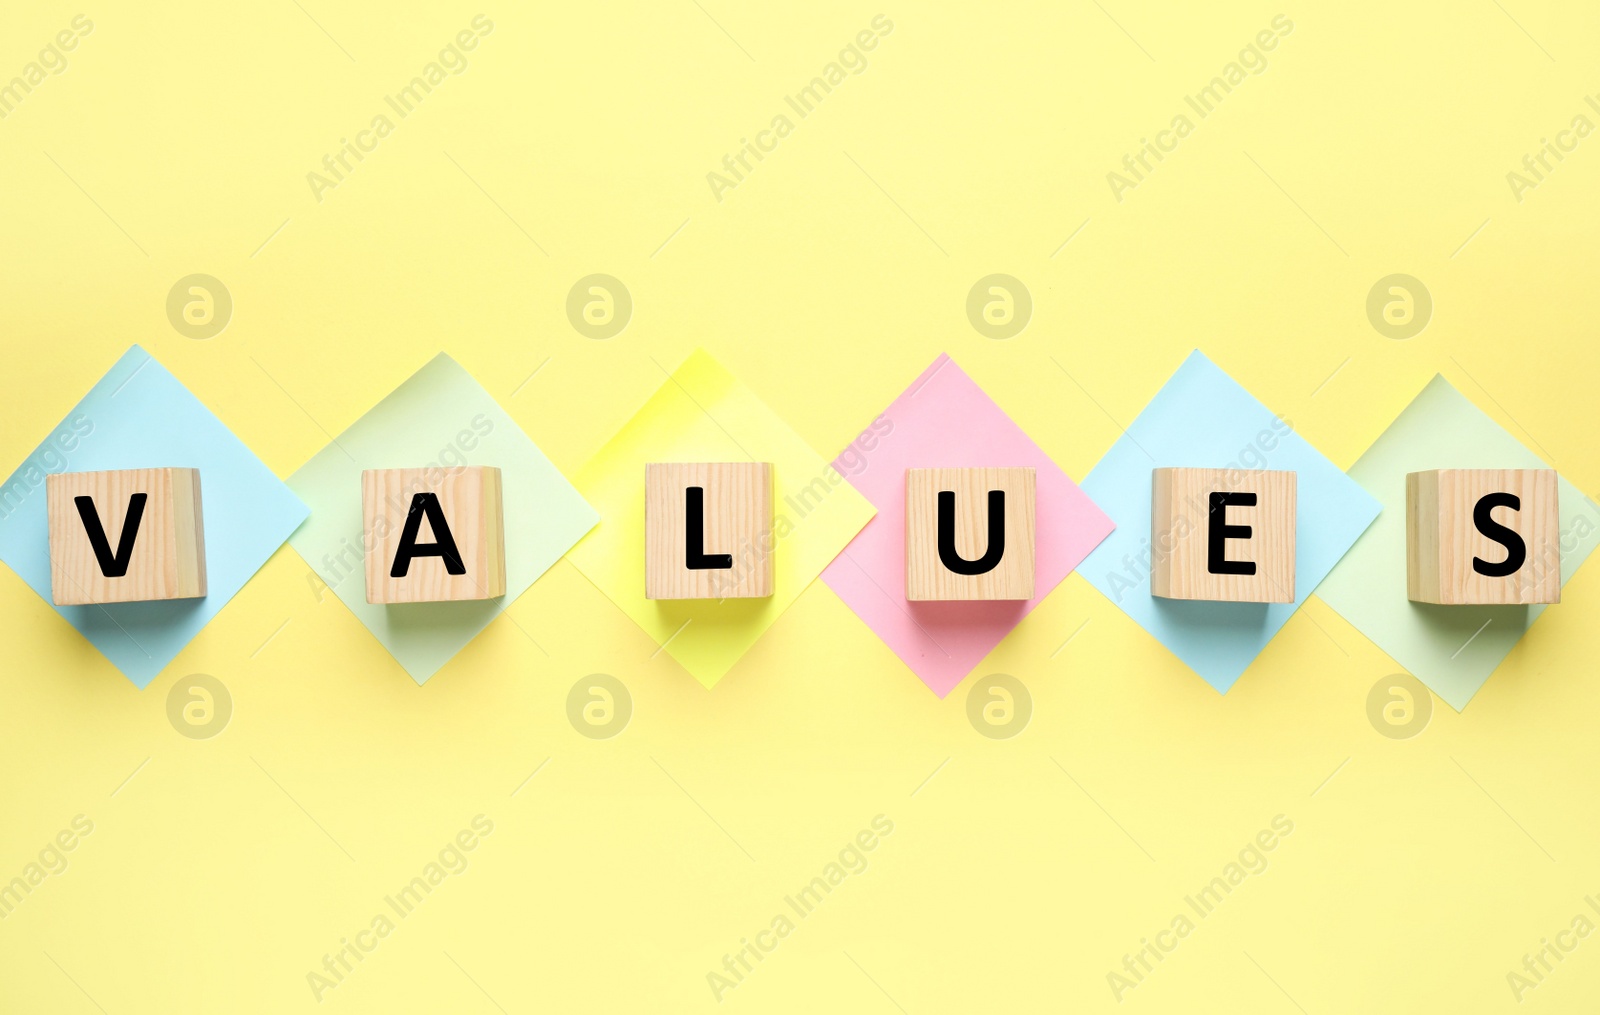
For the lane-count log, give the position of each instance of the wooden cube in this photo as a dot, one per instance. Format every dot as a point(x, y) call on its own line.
point(125, 536)
point(1222, 534)
point(1483, 536)
point(435, 535)
point(969, 533)
point(708, 530)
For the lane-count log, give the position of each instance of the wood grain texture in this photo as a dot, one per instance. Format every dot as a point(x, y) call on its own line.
point(470, 498)
point(168, 558)
point(1442, 538)
point(738, 522)
point(1180, 529)
point(927, 578)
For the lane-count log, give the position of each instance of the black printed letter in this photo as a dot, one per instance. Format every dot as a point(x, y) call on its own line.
point(695, 555)
point(444, 544)
point(1220, 531)
point(111, 567)
point(947, 535)
point(1516, 549)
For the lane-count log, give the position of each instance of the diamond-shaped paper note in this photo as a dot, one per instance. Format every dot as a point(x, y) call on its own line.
point(1452, 649)
point(1202, 418)
point(139, 416)
point(440, 417)
point(945, 420)
point(704, 414)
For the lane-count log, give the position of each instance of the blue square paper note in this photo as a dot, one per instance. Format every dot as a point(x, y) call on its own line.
point(1202, 418)
point(140, 417)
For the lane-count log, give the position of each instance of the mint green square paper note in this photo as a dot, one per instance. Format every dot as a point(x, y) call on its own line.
point(438, 417)
point(1451, 649)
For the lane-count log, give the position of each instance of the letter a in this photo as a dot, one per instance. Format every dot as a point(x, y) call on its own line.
point(444, 544)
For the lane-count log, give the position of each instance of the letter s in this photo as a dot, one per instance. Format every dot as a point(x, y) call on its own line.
point(1516, 549)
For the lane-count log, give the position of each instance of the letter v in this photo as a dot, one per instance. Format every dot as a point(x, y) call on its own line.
point(117, 566)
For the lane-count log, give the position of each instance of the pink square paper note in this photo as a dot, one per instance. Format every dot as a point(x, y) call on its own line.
point(945, 420)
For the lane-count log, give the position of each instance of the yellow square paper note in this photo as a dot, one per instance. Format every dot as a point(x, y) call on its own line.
point(704, 414)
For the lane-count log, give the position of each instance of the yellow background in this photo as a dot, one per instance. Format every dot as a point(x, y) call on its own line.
point(979, 138)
